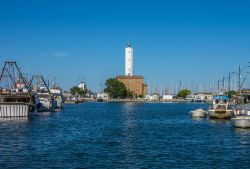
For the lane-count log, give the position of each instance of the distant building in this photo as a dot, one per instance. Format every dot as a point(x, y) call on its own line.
point(135, 84)
point(152, 98)
point(200, 97)
point(167, 97)
point(245, 91)
point(102, 96)
point(190, 98)
point(204, 97)
point(82, 86)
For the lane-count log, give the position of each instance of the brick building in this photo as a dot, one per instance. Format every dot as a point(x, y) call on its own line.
point(135, 84)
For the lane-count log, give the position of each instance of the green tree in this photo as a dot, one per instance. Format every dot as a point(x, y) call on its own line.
point(115, 88)
point(76, 90)
point(231, 93)
point(129, 94)
point(184, 93)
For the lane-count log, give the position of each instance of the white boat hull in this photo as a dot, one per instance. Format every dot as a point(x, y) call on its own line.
point(241, 121)
point(46, 105)
point(198, 113)
point(59, 103)
point(14, 110)
point(220, 114)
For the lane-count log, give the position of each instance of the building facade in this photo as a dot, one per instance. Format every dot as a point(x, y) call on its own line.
point(82, 86)
point(134, 84)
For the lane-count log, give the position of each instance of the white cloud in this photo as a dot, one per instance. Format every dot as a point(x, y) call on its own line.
point(61, 54)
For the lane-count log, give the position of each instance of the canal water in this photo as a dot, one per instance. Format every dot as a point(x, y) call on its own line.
point(122, 135)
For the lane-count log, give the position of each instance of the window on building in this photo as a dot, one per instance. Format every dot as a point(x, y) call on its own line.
point(136, 91)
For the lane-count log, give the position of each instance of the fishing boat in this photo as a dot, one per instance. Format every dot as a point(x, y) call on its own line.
point(221, 108)
point(198, 113)
point(58, 96)
point(46, 100)
point(16, 99)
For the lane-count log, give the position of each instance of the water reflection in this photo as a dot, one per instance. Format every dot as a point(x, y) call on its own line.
point(219, 121)
point(128, 116)
point(242, 131)
point(243, 141)
point(42, 114)
point(128, 106)
point(129, 131)
point(14, 119)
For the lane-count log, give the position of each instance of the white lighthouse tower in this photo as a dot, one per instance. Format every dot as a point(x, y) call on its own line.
point(129, 60)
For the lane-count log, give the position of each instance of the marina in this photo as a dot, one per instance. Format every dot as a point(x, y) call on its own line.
point(125, 84)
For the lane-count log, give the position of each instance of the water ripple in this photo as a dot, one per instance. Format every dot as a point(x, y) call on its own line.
point(122, 135)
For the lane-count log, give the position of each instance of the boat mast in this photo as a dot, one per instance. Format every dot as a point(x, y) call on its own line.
point(9, 70)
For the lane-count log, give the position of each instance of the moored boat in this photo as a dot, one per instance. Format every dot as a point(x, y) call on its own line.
point(16, 99)
point(241, 121)
point(46, 100)
point(58, 96)
point(198, 113)
point(221, 108)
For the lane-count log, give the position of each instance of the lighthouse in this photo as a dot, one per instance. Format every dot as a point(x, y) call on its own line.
point(129, 60)
point(133, 83)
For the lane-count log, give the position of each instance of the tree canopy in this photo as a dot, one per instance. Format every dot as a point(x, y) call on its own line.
point(231, 93)
point(115, 88)
point(76, 90)
point(184, 93)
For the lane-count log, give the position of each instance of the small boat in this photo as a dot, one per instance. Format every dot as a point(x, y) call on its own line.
point(221, 108)
point(47, 102)
point(72, 100)
point(241, 121)
point(58, 95)
point(198, 113)
point(45, 99)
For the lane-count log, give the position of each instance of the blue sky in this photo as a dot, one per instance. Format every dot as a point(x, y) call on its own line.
point(173, 41)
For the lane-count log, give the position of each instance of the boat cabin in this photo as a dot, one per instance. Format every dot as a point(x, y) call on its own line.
point(220, 102)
